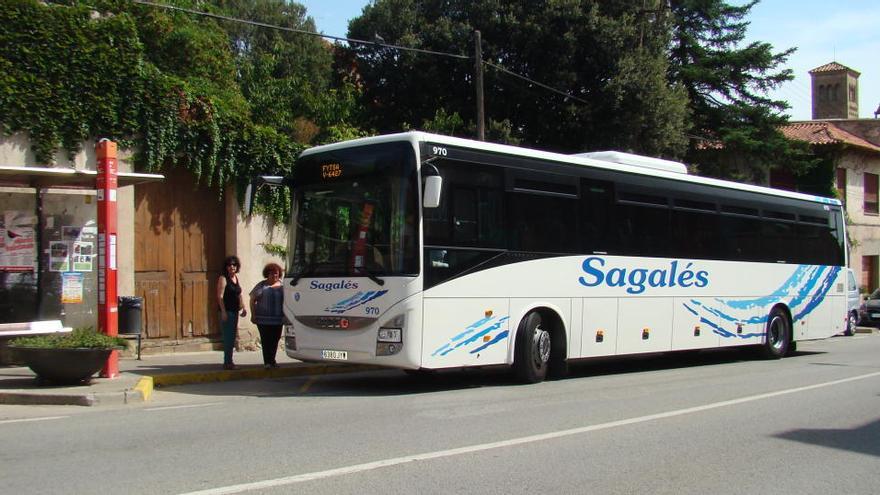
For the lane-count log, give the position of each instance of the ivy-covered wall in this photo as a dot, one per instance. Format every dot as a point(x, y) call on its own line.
point(178, 89)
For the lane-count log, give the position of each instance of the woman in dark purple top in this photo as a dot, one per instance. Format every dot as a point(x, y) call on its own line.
point(267, 311)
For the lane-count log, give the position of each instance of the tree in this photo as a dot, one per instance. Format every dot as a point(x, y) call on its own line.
point(735, 125)
point(610, 56)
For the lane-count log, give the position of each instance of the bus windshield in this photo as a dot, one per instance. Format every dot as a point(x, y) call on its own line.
point(355, 213)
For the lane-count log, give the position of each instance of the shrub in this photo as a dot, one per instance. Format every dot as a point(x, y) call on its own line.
point(79, 338)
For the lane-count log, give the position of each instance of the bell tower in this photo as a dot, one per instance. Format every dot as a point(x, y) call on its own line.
point(835, 92)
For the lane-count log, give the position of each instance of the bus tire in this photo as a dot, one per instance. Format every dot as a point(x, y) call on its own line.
point(852, 321)
point(532, 352)
point(778, 337)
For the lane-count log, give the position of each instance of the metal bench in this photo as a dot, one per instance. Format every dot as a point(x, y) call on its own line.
point(32, 328)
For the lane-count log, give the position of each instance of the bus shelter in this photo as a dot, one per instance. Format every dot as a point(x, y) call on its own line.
point(57, 228)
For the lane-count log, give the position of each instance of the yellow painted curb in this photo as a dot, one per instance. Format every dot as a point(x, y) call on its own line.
point(145, 387)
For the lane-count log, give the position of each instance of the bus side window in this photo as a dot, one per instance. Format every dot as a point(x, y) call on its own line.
point(597, 217)
point(464, 215)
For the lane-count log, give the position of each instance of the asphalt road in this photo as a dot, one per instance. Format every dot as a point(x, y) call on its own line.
point(713, 422)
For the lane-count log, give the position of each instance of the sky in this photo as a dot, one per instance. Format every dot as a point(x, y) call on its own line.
point(842, 31)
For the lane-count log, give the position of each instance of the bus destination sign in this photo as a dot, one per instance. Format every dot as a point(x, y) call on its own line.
point(331, 171)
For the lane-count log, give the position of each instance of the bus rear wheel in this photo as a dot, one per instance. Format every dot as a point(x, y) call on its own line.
point(852, 321)
point(532, 353)
point(778, 337)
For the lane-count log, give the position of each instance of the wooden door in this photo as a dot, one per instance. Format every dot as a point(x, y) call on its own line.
point(179, 247)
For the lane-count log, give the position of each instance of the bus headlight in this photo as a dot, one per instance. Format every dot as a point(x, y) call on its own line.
point(389, 340)
point(289, 337)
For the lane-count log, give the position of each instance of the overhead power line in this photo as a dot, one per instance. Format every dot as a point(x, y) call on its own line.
point(524, 78)
point(300, 31)
point(379, 42)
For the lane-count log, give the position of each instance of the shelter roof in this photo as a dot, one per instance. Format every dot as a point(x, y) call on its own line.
point(65, 177)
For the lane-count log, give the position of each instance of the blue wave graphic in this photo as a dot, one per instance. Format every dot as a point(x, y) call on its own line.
point(354, 301)
point(807, 288)
point(474, 333)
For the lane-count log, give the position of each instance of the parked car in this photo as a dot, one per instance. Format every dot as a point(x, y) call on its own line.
point(853, 309)
point(870, 310)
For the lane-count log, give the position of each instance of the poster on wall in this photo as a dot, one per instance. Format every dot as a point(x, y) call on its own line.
point(82, 242)
point(59, 256)
point(17, 242)
point(83, 256)
point(71, 288)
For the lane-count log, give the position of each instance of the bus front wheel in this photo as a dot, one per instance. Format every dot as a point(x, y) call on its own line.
point(532, 353)
point(778, 336)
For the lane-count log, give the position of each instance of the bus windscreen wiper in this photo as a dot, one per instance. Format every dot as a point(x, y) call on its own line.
point(310, 270)
point(372, 276)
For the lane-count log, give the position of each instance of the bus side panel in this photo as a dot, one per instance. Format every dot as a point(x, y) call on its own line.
point(575, 332)
point(746, 331)
point(466, 332)
point(691, 330)
point(838, 317)
point(645, 325)
point(825, 321)
point(600, 327)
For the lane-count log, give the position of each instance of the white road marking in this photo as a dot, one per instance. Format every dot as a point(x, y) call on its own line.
point(29, 420)
point(188, 406)
point(359, 468)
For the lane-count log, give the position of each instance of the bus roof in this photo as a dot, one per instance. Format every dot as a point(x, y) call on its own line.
point(416, 137)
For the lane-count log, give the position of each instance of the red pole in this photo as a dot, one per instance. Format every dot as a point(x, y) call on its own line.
point(108, 312)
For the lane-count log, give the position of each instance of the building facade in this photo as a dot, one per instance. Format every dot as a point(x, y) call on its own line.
point(852, 145)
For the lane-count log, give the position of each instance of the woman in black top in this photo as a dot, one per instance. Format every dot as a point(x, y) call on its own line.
point(231, 307)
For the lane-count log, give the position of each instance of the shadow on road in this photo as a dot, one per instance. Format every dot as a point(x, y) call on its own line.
point(396, 382)
point(863, 439)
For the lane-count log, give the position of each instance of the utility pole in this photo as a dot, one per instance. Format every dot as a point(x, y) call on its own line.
point(478, 82)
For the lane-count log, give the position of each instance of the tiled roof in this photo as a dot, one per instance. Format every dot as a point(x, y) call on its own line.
point(832, 67)
point(819, 132)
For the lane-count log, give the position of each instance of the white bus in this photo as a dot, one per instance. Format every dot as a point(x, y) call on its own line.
point(419, 251)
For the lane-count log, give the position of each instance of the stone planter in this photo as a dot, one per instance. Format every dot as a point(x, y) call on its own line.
point(63, 366)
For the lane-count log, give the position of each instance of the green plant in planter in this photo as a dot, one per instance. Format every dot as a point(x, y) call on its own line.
point(79, 338)
point(66, 359)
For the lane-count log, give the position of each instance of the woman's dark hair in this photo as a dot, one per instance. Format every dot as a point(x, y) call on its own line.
point(231, 260)
point(271, 267)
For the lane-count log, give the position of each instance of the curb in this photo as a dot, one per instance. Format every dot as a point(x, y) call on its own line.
point(142, 391)
point(145, 388)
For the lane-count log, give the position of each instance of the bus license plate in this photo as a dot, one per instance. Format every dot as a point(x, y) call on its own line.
point(337, 355)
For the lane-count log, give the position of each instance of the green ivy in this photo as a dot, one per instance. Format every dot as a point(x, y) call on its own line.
point(277, 250)
point(158, 81)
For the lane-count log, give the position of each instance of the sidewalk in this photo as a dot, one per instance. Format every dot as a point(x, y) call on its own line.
point(137, 379)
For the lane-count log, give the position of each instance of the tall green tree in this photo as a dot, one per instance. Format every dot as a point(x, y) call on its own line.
point(735, 125)
point(610, 56)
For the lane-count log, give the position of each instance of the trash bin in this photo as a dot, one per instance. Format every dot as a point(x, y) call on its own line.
point(130, 310)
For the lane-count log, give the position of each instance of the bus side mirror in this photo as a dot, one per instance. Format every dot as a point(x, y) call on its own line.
point(248, 206)
point(250, 191)
point(433, 188)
